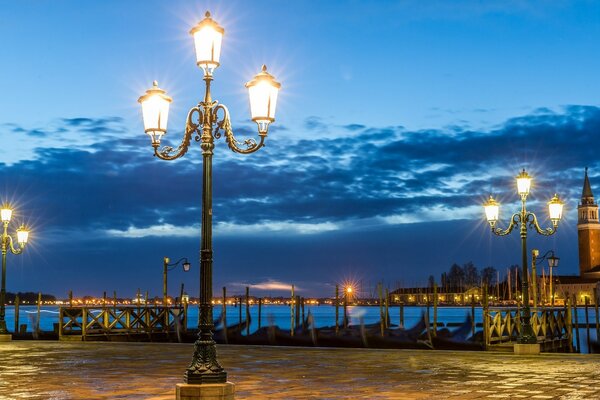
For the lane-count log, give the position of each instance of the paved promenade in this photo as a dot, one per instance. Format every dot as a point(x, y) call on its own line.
point(52, 370)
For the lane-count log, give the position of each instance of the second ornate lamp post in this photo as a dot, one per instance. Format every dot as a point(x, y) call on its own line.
point(524, 219)
point(7, 244)
point(206, 122)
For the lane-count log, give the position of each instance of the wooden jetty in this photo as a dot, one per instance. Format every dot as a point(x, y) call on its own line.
point(121, 322)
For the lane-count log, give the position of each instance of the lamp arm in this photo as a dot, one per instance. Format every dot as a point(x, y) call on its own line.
point(168, 152)
point(514, 221)
point(224, 125)
point(532, 220)
point(548, 253)
point(12, 247)
point(175, 264)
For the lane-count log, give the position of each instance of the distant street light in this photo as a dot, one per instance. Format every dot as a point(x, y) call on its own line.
point(169, 267)
point(7, 244)
point(524, 218)
point(203, 122)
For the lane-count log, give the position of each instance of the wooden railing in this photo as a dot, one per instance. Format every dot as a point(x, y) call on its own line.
point(86, 321)
point(502, 325)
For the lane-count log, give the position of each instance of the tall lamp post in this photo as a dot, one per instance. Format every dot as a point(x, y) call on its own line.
point(7, 244)
point(169, 267)
point(207, 121)
point(524, 219)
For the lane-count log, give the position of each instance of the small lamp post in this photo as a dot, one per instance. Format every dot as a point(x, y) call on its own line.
point(169, 267)
point(524, 219)
point(552, 263)
point(6, 213)
point(207, 121)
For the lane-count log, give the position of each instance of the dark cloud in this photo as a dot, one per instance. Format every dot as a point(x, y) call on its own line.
point(372, 172)
point(379, 172)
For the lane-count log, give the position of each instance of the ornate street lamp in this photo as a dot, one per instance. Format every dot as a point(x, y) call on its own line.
point(524, 218)
point(7, 244)
point(207, 121)
point(169, 267)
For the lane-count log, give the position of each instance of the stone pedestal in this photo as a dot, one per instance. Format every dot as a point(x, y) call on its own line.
point(527, 349)
point(5, 337)
point(209, 391)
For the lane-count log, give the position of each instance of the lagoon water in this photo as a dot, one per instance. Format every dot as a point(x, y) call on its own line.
point(279, 315)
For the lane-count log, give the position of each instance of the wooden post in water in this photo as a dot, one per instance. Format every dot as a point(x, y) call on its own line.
point(576, 323)
point(240, 310)
point(147, 315)
point(303, 319)
point(485, 312)
point(70, 298)
point(259, 311)
point(387, 308)
point(569, 321)
point(381, 316)
point(345, 308)
point(587, 323)
point(224, 312)
point(247, 310)
point(435, 308)
point(472, 314)
point(292, 312)
point(596, 310)
point(39, 315)
point(17, 314)
point(401, 314)
point(337, 311)
point(297, 312)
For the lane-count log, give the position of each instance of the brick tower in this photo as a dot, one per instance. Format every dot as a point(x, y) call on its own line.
point(588, 230)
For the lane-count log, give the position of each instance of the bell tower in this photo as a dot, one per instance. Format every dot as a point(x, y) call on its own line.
point(588, 229)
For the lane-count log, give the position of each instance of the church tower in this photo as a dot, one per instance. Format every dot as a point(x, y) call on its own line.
point(588, 230)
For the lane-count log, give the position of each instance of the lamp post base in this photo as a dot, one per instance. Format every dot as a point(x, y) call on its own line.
point(5, 337)
point(527, 349)
point(207, 391)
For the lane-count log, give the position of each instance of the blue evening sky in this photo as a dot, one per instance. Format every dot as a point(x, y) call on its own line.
point(395, 120)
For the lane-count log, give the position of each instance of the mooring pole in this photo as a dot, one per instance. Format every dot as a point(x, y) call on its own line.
point(337, 311)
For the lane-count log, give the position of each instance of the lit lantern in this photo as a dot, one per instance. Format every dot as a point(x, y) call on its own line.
point(263, 91)
point(555, 209)
point(208, 36)
point(492, 210)
point(155, 111)
point(6, 213)
point(22, 235)
point(523, 183)
point(553, 261)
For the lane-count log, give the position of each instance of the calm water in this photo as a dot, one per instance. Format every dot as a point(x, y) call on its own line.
point(280, 315)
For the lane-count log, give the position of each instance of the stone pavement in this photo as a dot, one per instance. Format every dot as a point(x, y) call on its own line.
point(92, 370)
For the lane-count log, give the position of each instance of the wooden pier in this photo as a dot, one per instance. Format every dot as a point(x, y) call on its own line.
point(120, 322)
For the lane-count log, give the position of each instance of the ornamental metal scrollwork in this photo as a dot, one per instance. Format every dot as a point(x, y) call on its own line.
point(224, 126)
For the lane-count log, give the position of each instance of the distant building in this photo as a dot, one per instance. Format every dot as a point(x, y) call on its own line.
point(588, 235)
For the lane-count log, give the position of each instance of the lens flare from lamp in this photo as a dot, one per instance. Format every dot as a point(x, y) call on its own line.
point(523, 183)
point(555, 208)
point(263, 90)
point(155, 112)
point(492, 210)
point(208, 36)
